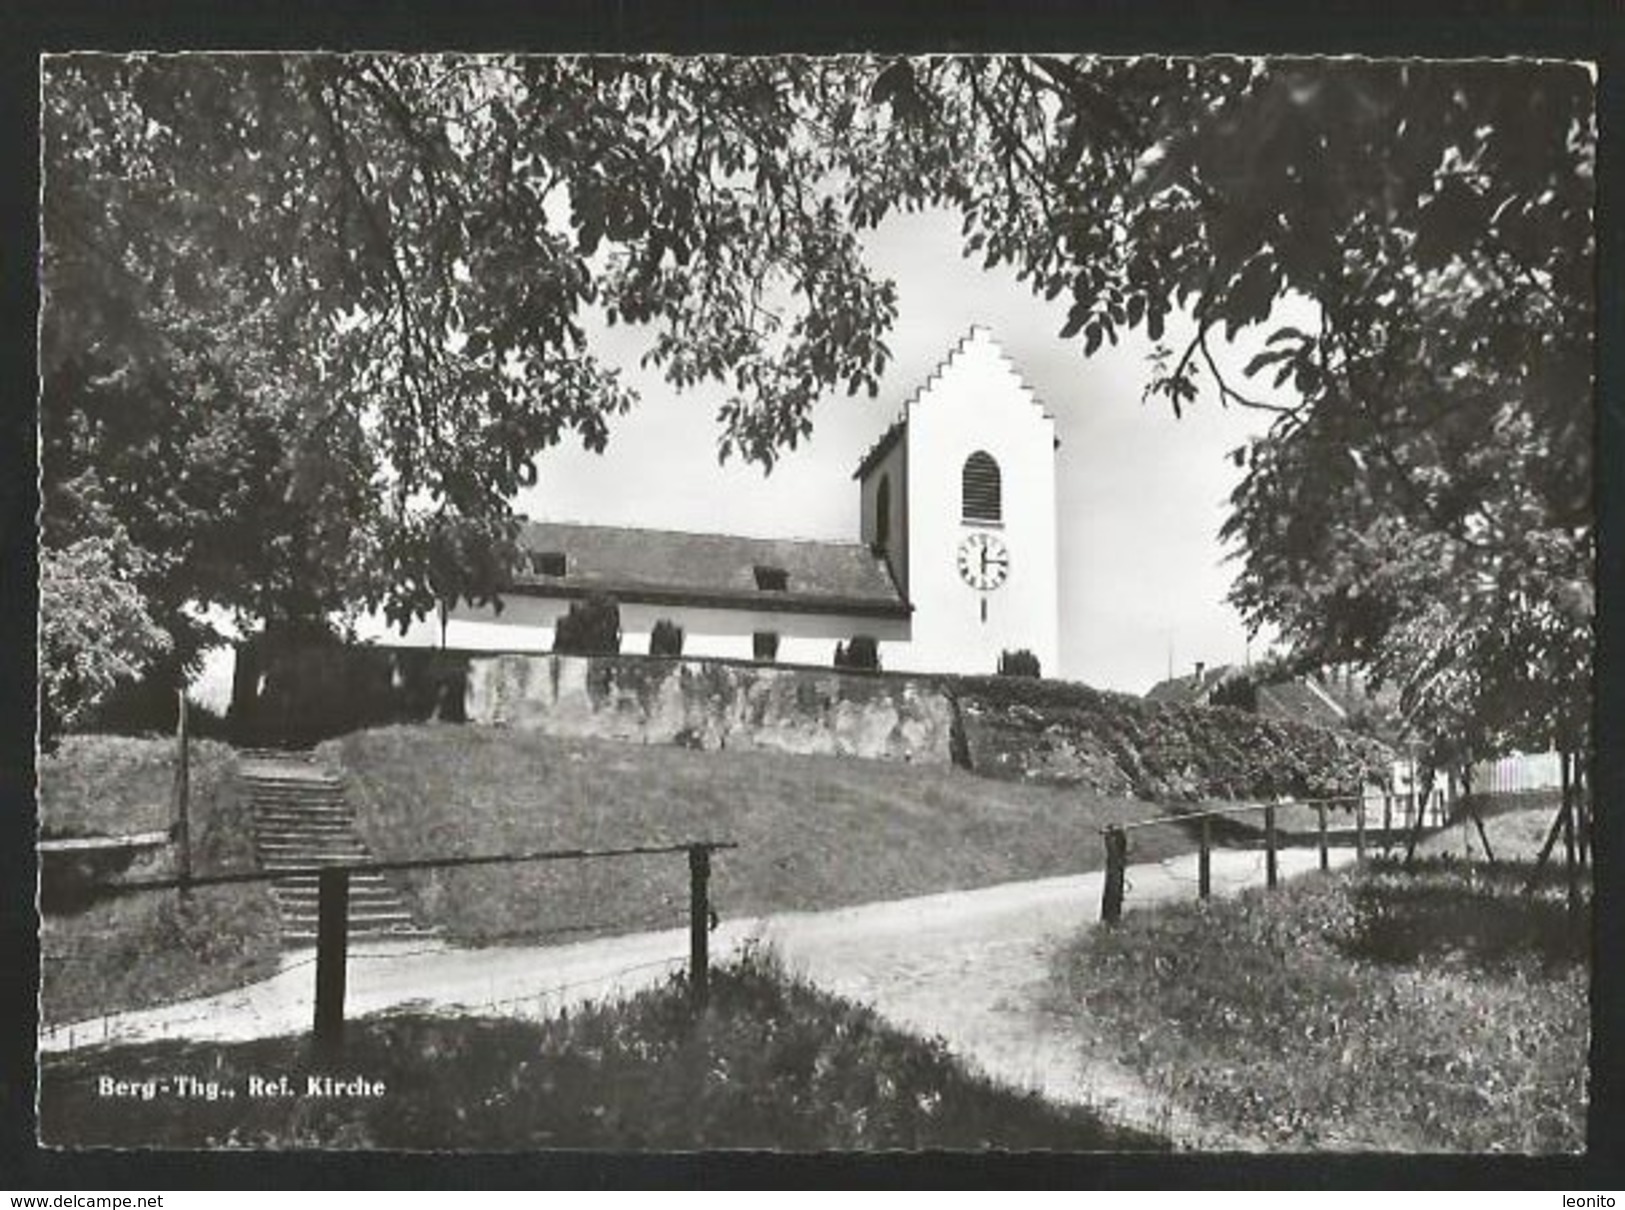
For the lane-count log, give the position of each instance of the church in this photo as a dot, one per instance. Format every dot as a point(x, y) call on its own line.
point(955, 562)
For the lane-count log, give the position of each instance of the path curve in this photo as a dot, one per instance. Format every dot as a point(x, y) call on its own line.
point(969, 966)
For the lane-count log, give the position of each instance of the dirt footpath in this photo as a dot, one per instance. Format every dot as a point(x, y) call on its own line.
point(969, 966)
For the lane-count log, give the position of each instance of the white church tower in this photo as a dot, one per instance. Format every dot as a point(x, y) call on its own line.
point(959, 496)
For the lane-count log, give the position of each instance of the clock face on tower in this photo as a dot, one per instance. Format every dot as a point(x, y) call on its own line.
point(983, 561)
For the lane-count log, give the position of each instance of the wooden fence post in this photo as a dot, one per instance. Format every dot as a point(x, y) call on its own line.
point(1387, 818)
point(1204, 867)
point(1270, 871)
point(332, 934)
point(183, 796)
point(699, 918)
point(1359, 828)
point(1111, 898)
point(1320, 812)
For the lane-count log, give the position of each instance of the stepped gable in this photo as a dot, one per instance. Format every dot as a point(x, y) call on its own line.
point(977, 336)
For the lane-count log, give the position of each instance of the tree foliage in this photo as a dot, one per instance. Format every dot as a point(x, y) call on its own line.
point(1419, 506)
point(309, 319)
point(95, 632)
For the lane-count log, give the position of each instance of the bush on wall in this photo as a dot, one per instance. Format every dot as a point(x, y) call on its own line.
point(1018, 663)
point(666, 638)
point(1064, 733)
point(861, 652)
point(592, 627)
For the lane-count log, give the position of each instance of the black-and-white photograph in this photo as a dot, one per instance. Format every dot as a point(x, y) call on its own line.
point(859, 603)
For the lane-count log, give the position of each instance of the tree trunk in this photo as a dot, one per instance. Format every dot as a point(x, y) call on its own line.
point(245, 691)
point(1472, 809)
point(1420, 798)
point(1571, 868)
point(1582, 811)
point(1558, 823)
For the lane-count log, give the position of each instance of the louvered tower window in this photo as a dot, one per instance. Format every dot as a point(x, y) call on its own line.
point(981, 488)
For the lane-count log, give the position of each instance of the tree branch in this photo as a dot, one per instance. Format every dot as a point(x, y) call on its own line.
point(1227, 393)
point(383, 245)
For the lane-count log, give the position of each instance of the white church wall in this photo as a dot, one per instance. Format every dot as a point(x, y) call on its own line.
point(975, 401)
point(978, 402)
point(526, 624)
point(893, 470)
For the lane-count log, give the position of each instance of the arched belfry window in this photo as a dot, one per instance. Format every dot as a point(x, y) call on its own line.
point(883, 513)
point(981, 488)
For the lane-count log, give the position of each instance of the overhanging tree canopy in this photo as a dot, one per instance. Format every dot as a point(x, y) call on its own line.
point(1420, 505)
point(310, 319)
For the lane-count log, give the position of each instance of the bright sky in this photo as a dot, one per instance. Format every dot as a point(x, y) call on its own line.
point(1141, 494)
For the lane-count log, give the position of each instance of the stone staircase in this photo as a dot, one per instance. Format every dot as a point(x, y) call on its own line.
point(301, 820)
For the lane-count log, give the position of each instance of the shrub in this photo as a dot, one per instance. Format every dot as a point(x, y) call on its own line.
point(592, 627)
point(1018, 663)
point(666, 638)
point(96, 632)
point(1239, 692)
point(861, 652)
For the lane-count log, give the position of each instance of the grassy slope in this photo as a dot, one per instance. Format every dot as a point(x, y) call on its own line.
point(1440, 1009)
point(111, 784)
point(150, 948)
point(773, 1063)
point(814, 832)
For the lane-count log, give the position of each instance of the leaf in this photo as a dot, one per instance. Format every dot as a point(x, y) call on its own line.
point(1268, 357)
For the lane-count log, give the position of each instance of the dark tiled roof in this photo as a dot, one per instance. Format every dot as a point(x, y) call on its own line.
point(1190, 690)
point(1296, 702)
point(717, 570)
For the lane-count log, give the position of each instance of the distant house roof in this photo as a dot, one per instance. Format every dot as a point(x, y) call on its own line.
point(660, 567)
point(1301, 701)
point(1192, 690)
point(1322, 701)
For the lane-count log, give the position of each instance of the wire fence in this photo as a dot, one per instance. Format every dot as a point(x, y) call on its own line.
point(1263, 830)
point(274, 1005)
point(248, 1019)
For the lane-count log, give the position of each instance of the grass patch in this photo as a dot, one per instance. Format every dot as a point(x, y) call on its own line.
point(115, 952)
point(107, 785)
point(773, 1062)
point(1516, 825)
point(814, 832)
point(1439, 1009)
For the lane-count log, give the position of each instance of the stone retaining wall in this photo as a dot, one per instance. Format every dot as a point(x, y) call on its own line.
point(709, 704)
